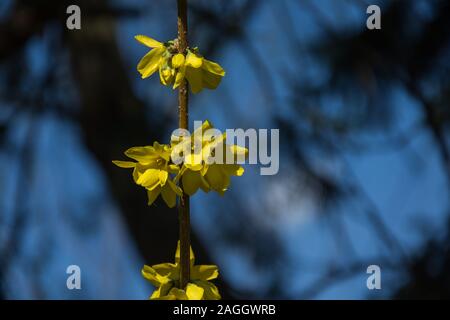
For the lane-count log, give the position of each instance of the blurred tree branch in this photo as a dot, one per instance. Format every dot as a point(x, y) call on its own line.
point(111, 116)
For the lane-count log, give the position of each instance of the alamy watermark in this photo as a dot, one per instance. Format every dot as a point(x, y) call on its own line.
point(374, 20)
point(374, 280)
point(73, 21)
point(74, 279)
point(218, 151)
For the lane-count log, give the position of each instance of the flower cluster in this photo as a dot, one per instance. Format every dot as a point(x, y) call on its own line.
point(173, 67)
point(210, 163)
point(166, 276)
point(185, 165)
point(152, 171)
point(201, 161)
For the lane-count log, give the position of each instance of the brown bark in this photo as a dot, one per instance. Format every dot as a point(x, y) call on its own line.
point(183, 206)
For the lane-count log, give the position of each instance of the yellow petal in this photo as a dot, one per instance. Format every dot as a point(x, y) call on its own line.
point(147, 41)
point(150, 274)
point(214, 138)
point(191, 182)
point(150, 62)
point(169, 196)
point(149, 179)
point(194, 60)
point(161, 293)
point(239, 172)
point(166, 74)
point(142, 154)
point(210, 80)
point(213, 67)
point(150, 164)
point(194, 77)
point(204, 170)
point(178, 60)
point(216, 178)
point(175, 188)
point(173, 168)
point(124, 164)
point(234, 169)
point(168, 270)
point(204, 272)
point(136, 174)
point(193, 162)
point(238, 153)
point(178, 294)
point(179, 174)
point(165, 152)
point(153, 194)
point(158, 147)
point(205, 126)
point(211, 75)
point(213, 152)
point(194, 292)
point(205, 185)
point(163, 175)
point(179, 77)
point(210, 290)
point(166, 297)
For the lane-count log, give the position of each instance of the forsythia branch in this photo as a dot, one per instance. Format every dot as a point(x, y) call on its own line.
point(183, 205)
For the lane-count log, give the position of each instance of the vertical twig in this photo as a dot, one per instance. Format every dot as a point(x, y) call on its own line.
point(183, 206)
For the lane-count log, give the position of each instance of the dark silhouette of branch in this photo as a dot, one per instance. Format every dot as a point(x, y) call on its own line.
point(11, 248)
point(434, 123)
point(29, 17)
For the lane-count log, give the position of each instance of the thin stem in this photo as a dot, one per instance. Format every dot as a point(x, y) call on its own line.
point(183, 205)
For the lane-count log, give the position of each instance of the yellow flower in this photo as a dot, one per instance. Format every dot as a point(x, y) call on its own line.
point(203, 168)
point(173, 67)
point(155, 59)
point(199, 72)
point(165, 277)
point(152, 171)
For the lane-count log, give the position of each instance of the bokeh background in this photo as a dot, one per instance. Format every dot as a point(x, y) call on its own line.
point(364, 148)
